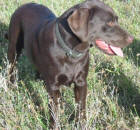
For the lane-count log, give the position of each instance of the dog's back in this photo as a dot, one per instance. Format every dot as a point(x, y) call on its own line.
point(25, 24)
point(32, 15)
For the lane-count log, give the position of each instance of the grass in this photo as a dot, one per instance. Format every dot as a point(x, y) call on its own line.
point(113, 101)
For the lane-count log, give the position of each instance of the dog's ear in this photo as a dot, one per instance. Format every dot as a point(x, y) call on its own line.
point(78, 22)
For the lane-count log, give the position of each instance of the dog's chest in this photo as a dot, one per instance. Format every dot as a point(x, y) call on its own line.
point(74, 72)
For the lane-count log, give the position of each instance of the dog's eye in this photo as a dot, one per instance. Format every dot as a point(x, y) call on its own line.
point(111, 23)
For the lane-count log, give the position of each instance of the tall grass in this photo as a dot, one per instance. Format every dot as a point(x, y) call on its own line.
point(113, 101)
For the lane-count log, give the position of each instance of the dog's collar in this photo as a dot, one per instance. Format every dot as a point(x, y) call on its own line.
point(67, 49)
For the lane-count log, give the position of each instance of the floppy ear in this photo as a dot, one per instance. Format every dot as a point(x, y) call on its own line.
point(78, 22)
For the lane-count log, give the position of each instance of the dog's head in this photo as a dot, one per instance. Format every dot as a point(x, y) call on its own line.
point(93, 22)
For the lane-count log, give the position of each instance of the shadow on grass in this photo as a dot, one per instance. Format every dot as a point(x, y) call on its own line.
point(133, 52)
point(3, 30)
point(35, 89)
point(3, 41)
point(38, 102)
point(126, 89)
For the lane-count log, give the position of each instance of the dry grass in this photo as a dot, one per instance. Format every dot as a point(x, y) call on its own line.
point(113, 101)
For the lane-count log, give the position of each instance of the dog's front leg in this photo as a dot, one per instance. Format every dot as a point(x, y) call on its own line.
point(54, 102)
point(80, 99)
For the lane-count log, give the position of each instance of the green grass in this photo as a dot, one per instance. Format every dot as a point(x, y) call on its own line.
point(113, 101)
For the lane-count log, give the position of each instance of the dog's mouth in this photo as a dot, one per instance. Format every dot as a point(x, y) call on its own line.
point(109, 49)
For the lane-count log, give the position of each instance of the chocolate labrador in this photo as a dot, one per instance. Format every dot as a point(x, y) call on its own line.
point(59, 46)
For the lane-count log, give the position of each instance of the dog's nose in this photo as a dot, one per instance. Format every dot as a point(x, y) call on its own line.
point(130, 39)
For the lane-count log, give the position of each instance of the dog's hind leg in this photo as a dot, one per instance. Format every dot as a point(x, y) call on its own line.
point(15, 38)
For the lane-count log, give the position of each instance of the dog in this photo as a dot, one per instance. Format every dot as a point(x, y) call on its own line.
point(59, 46)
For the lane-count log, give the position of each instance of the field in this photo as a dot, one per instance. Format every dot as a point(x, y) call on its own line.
point(113, 101)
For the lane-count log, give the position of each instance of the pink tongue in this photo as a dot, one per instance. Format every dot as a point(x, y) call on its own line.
point(117, 50)
point(109, 49)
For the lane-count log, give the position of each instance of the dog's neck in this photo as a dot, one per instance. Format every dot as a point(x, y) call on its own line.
point(69, 41)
